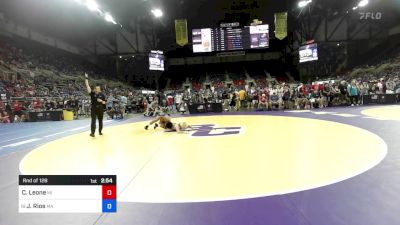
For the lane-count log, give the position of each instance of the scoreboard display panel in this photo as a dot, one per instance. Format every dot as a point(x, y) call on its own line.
point(230, 38)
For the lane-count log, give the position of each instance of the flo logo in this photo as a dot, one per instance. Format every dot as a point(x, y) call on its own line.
point(370, 15)
point(212, 130)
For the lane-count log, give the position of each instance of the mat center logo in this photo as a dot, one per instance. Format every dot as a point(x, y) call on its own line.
point(213, 130)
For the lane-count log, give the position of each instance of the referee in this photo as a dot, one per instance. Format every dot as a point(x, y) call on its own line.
point(98, 100)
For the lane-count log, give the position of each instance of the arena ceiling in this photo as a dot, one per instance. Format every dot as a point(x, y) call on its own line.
point(67, 20)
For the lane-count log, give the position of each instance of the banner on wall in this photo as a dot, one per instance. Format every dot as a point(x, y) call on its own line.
point(281, 25)
point(181, 32)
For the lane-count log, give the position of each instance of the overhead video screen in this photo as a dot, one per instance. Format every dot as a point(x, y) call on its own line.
point(308, 53)
point(259, 36)
point(156, 60)
point(202, 40)
point(230, 38)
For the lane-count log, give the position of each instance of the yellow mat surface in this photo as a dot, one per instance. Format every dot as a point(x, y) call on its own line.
point(384, 113)
point(264, 155)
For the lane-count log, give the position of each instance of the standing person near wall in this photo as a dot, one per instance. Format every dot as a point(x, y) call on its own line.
point(123, 102)
point(353, 93)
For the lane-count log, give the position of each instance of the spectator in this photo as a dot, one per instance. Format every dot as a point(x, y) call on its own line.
point(5, 117)
point(275, 101)
point(73, 105)
point(353, 92)
point(263, 104)
point(315, 98)
point(123, 103)
point(110, 101)
point(232, 105)
point(242, 98)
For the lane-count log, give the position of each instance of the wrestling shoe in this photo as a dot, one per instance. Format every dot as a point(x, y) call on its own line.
point(155, 126)
point(146, 127)
point(100, 133)
point(91, 135)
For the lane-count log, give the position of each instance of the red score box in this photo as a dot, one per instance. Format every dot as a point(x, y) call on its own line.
point(109, 191)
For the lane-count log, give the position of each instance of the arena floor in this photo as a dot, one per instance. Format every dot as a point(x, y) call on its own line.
point(336, 166)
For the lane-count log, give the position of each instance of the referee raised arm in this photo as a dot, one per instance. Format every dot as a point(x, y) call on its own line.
point(98, 101)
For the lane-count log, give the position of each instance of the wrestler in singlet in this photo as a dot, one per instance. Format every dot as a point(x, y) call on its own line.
point(162, 120)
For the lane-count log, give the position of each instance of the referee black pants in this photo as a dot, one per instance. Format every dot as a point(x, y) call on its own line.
point(97, 114)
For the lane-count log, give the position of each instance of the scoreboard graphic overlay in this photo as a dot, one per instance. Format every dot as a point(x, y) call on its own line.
point(67, 193)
